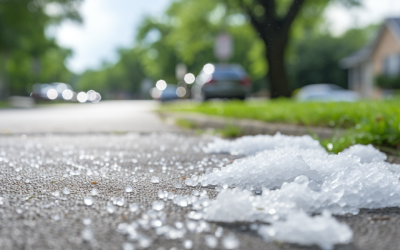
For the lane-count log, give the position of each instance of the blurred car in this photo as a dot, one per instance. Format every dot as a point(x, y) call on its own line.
point(326, 92)
point(53, 91)
point(169, 93)
point(164, 92)
point(221, 81)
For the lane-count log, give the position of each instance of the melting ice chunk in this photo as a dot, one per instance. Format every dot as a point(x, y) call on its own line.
point(300, 228)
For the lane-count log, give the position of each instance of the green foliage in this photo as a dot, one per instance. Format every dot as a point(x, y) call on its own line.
point(27, 55)
point(123, 77)
point(388, 82)
point(315, 58)
point(375, 122)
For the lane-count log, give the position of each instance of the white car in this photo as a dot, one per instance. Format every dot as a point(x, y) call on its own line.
point(326, 92)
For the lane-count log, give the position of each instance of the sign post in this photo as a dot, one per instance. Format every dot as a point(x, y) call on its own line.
point(223, 47)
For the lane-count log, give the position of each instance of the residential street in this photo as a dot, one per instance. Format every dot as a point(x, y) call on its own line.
point(85, 187)
point(106, 116)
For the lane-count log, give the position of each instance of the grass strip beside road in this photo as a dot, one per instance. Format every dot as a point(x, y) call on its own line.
point(367, 122)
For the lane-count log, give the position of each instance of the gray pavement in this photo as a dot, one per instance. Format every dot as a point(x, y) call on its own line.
point(44, 179)
point(106, 116)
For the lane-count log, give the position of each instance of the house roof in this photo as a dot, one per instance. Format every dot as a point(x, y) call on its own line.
point(393, 24)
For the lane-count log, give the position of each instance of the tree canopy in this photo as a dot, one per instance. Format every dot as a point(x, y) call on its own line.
point(187, 31)
point(27, 54)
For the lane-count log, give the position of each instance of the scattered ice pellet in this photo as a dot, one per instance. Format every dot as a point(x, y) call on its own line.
point(300, 228)
point(145, 242)
point(56, 217)
point(87, 234)
point(56, 193)
point(219, 232)
point(178, 224)
point(66, 191)
point(211, 241)
point(128, 246)
point(187, 244)
point(88, 201)
point(155, 180)
point(133, 207)
point(110, 208)
point(94, 192)
point(120, 201)
point(230, 241)
point(129, 189)
point(86, 221)
point(158, 205)
point(156, 223)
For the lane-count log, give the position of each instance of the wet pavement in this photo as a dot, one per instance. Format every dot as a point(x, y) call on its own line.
point(45, 178)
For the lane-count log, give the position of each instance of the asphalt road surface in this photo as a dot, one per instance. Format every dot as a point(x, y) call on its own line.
point(45, 178)
point(106, 116)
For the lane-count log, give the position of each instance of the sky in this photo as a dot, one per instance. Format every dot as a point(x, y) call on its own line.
point(110, 24)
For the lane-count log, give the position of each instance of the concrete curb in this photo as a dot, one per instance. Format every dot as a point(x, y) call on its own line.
point(250, 127)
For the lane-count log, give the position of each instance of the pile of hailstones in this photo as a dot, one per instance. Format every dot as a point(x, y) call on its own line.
point(285, 179)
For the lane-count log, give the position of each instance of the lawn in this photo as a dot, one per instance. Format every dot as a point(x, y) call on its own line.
point(375, 122)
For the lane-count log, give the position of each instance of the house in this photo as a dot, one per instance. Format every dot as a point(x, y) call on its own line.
point(380, 57)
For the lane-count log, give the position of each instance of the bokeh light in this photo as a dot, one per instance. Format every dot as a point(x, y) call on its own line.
point(181, 91)
point(155, 93)
point(82, 97)
point(52, 94)
point(161, 85)
point(209, 68)
point(67, 94)
point(189, 78)
point(61, 87)
point(93, 96)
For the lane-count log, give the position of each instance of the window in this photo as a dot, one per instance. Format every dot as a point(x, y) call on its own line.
point(391, 65)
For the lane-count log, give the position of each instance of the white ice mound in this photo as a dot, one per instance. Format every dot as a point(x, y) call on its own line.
point(250, 145)
point(271, 168)
point(367, 153)
point(268, 169)
point(324, 231)
point(346, 191)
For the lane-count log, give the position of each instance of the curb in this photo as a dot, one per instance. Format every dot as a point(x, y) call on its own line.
point(250, 127)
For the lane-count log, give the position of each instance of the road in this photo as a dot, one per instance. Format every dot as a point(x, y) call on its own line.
point(45, 178)
point(106, 116)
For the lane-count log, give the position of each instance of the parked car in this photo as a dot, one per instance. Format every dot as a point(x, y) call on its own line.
point(51, 91)
point(326, 92)
point(221, 81)
point(169, 93)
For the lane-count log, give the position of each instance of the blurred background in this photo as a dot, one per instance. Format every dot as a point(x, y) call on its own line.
point(92, 50)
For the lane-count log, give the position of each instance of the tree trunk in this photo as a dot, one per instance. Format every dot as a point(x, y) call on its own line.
point(4, 91)
point(278, 80)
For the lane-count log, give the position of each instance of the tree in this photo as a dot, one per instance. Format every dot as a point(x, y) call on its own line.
point(22, 36)
point(315, 57)
point(273, 21)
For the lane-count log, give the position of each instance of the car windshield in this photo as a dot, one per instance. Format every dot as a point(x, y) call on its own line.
point(226, 75)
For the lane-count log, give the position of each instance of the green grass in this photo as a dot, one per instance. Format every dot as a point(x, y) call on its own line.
point(4, 104)
point(375, 122)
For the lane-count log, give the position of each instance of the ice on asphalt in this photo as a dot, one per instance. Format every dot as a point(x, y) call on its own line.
point(298, 178)
point(300, 228)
